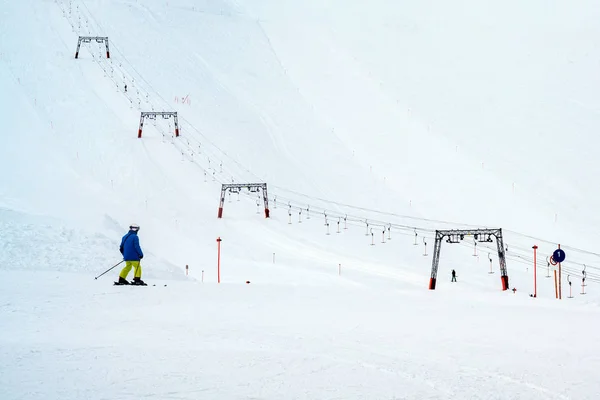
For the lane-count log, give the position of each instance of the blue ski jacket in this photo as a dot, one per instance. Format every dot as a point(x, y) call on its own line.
point(130, 247)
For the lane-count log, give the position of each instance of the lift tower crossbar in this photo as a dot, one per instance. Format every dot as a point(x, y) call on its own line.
point(455, 236)
point(154, 114)
point(89, 39)
point(237, 187)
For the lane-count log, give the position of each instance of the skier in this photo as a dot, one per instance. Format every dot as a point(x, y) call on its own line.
point(132, 254)
point(453, 276)
point(125, 88)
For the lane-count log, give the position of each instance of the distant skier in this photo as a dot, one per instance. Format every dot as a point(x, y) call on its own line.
point(453, 276)
point(125, 88)
point(132, 254)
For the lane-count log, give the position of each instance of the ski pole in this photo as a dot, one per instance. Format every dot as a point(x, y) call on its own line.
point(121, 262)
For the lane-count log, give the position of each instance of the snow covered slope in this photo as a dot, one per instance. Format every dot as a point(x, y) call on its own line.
point(362, 116)
point(263, 341)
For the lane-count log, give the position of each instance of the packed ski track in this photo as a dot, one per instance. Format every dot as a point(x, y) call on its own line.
point(373, 125)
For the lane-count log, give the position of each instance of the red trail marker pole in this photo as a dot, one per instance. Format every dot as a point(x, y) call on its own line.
point(219, 259)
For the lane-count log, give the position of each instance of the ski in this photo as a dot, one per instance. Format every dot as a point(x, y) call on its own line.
point(132, 284)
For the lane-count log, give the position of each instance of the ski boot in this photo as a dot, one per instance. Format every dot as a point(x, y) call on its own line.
point(122, 281)
point(138, 282)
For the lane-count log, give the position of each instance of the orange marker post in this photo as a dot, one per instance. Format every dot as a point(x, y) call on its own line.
point(219, 259)
point(559, 280)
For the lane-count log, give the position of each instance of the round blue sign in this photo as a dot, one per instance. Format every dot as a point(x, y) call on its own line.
point(559, 255)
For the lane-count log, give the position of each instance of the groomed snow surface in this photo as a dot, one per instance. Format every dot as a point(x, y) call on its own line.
point(373, 124)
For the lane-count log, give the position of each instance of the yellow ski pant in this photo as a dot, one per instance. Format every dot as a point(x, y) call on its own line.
point(137, 269)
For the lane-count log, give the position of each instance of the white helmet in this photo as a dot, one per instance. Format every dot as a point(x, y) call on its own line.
point(134, 227)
